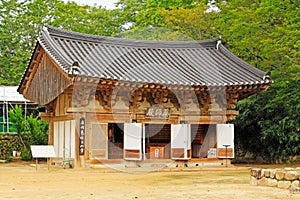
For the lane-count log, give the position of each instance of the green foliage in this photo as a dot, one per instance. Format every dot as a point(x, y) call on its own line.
point(32, 130)
point(10, 53)
point(17, 118)
point(86, 19)
point(130, 9)
point(4, 128)
point(151, 14)
point(193, 22)
point(21, 22)
point(264, 33)
point(147, 12)
point(154, 33)
point(26, 155)
point(269, 123)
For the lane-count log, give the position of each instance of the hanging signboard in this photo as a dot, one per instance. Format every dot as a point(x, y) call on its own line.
point(81, 136)
point(157, 111)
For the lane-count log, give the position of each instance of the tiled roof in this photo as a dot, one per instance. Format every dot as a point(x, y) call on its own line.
point(205, 62)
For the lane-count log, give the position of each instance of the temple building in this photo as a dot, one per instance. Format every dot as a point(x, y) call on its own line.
point(131, 101)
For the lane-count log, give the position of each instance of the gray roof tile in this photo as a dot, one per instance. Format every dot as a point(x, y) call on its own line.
point(171, 62)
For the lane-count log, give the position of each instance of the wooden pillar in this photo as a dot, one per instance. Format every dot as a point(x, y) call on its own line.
point(50, 139)
point(51, 132)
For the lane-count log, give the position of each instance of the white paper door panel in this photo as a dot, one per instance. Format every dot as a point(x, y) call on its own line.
point(180, 141)
point(133, 141)
point(98, 141)
point(225, 137)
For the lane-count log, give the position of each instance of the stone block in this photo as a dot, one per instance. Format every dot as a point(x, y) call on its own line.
point(284, 184)
point(259, 174)
point(279, 175)
point(252, 172)
point(262, 174)
point(263, 181)
point(291, 175)
point(294, 189)
point(272, 182)
point(256, 172)
point(288, 168)
point(267, 173)
point(272, 173)
point(253, 180)
point(295, 183)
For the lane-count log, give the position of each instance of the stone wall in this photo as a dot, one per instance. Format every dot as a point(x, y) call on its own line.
point(9, 143)
point(287, 178)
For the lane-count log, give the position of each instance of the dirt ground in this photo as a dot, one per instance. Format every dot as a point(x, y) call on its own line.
point(20, 180)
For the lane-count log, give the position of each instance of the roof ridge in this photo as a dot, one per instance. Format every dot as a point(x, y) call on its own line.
point(129, 42)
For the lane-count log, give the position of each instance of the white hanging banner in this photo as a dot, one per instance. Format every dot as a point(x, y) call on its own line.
point(133, 141)
point(181, 141)
point(225, 140)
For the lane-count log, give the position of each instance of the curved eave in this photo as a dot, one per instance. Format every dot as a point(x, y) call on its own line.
point(267, 81)
point(249, 68)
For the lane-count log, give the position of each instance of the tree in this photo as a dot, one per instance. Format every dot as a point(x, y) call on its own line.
point(193, 22)
point(148, 12)
point(269, 123)
point(129, 9)
point(152, 16)
point(86, 19)
point(31, 130)
point(9, 42)
point(22, 21)
point(153, 33)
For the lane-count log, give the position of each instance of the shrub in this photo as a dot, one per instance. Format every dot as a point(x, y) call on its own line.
point(26, 155)
point(32, 130)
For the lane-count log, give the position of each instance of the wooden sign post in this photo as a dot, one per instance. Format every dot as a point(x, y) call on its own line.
point(42, 151)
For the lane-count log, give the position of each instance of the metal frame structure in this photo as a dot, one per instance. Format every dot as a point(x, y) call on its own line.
point(9, 97)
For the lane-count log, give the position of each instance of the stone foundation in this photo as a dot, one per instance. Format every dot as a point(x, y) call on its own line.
point(288, 178)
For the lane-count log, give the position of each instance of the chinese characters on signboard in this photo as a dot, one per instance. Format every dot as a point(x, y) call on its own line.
point(81, 136)
point(157, 111)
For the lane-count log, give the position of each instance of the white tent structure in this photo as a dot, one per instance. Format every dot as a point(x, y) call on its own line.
point(9, 97)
